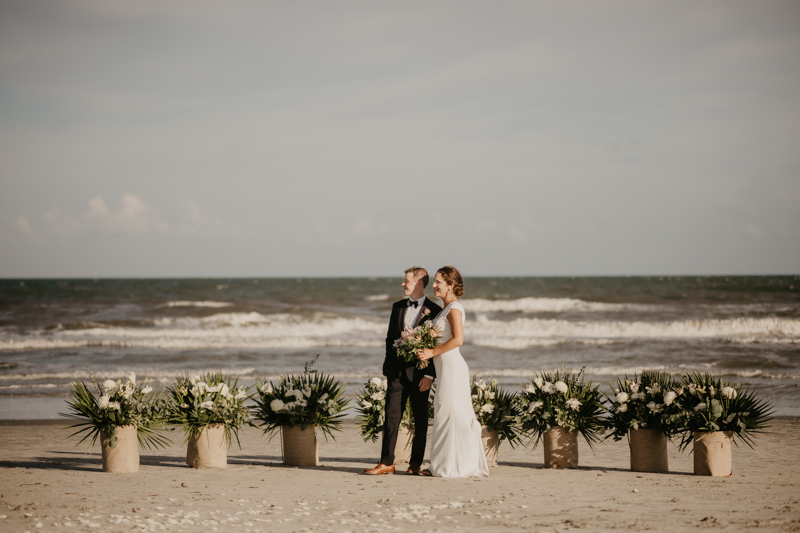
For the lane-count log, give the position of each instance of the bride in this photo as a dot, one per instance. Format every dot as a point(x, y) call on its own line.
point(456, 446)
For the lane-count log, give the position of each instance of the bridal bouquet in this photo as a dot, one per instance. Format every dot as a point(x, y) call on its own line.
point(118, 403)
point(371, 405)
point(208, 399)
point(652, 400)
point(414, 340)
point(713, 405)
point(561, 399)
point(311, 398)
point(495, 408)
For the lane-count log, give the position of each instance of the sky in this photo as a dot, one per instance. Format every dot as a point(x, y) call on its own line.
point(358, 138)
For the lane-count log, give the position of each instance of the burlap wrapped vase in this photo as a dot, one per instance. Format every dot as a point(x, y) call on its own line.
point(648, 450)
point(491, 442)
point(402, 450)
point(208, 448)
point(713, 453)
point(560, 448)
point(300, 447)
point(123, 458)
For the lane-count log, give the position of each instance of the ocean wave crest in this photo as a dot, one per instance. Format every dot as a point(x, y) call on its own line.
point(538, 305)
point(191, 303)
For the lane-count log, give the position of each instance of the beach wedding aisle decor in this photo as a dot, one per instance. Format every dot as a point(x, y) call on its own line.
point(297, 406)
point(123, 415)
point(648, 410)
point(554, 407)
point(211, 410)
point(370, 403)
point(716, 413)
point(496, 411)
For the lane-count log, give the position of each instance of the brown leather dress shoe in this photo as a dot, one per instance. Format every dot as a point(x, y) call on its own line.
point(380, 469)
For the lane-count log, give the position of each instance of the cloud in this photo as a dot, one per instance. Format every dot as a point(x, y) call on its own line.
point(134, 217)
point(23, 227)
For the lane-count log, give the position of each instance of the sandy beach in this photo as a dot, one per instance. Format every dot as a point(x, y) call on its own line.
point(50, 485)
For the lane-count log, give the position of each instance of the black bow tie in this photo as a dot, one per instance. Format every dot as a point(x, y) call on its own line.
point(412, 303)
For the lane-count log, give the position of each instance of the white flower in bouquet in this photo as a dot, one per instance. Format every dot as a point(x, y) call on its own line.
point(277, 405)
point(214, 389)
point(489, 395)
point(127, 393)
point(268, 388)
point(653, 389)
point(298, 394)
point(241, 393)
point(147, 390)
point(549, 388)
point(114, 405)
point(574, 404)
point(654, 407)
point(622, 408)
point(669, 397)
point(378, 396)
point(102, 403)
point(378, 382)
point(712, 391)
point(109, 385)
point(530, 388)
point(622, 397)
point(729, 393)
point(637, 396)
point(307, 392)
point(487, 408)
point(132, 378)
point(633, 386)
point(224, 390)
point(365, 404)
point(534, 406)
point(561, 387)
point(481, 384)
point(207, 405)
point(322, 399)
point(538, 381)
point(185, 405)
point(700, 406)
point(692, 388)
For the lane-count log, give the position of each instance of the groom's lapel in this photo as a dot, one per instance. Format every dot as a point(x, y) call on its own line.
point(401, 318)
point(420, 316)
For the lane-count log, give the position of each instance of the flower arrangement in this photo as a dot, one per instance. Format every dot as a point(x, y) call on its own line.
point(713, 405)
point(414, 340)
point(371, 408)
point(198, 401)
point(651, 400)
point(311, 398)
point(495, 408)
point(561, 399)
point(118, 403)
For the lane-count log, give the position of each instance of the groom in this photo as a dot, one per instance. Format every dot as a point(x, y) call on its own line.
point(405, 379)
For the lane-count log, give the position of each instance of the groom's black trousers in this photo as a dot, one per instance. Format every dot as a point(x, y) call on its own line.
point(399, 389)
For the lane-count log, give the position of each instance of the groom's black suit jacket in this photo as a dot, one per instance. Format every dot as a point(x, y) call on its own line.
point(392, 366)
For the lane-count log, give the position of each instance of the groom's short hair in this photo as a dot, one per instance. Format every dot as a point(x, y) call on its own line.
point(419, 274)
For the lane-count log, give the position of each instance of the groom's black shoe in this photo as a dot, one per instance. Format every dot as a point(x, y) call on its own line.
point(413, 470)
point(380, 469)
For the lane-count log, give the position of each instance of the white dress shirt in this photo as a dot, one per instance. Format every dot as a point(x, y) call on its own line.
point(411, 319)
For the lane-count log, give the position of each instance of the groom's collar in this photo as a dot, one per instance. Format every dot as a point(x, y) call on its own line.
point(421, 300)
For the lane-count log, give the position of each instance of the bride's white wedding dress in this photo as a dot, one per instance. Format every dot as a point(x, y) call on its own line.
point(456, 446)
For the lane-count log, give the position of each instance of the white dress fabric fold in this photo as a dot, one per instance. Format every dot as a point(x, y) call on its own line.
point(456, 446)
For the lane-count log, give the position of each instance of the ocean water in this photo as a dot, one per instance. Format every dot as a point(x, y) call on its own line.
point(746, 329)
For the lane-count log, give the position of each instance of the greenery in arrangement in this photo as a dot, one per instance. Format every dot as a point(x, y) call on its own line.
point(371, 405)
point(495, 408)
point(412, 341)
point(118, 403)
point(311, 398)
point(198, 401)
point(713, 405)
point(561, 399)
point(652, 400)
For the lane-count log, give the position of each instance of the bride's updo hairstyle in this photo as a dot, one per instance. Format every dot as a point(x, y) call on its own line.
point(453, 277)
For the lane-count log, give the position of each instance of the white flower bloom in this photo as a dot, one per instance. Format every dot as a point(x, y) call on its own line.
point(276, 405)
point(561, 387)
point(323, 398)
point(622, 408)
point(712, 391)
point(729, 393)
point(207, 405)
point(574, 404)
point(654, 407)
point(488, 408)
point(549, 388)
point(184, 405)
point(215, 388)
point(109, 385)
point(127, 393)
point(622, 397)
point(481, 384)
point(307, 392)
point(224, 389)
point(201, 386)
point(637, 396)
point(538, 382)
point(195, 391)
point(241, 393)
point(534, 406)
point(633, 386)
point(669, 397)
point(692, 388)
point(378, 396)
point(365, 404)
point(489, 395)
point(700, 406)
point(147, 390)
point(114, 405)
point(653, 389)
point(102, 403)
point(132, 377)
point(530, 388)
point(378, 382)
point(301, 402)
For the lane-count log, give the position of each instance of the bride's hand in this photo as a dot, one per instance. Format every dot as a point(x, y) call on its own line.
point(425, 354)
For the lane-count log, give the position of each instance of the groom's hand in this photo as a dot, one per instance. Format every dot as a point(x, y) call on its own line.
point(425, 384)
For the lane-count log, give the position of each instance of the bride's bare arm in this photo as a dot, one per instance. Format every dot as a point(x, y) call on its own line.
point(457, 328)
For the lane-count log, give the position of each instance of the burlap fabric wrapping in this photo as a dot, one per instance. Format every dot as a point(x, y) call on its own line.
point(648, 450)
point(124, 457)
point(560, 448)
point(713, 453)
point(209, 448)
point(402, 451)
point(300, 446)
point(491, 442)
